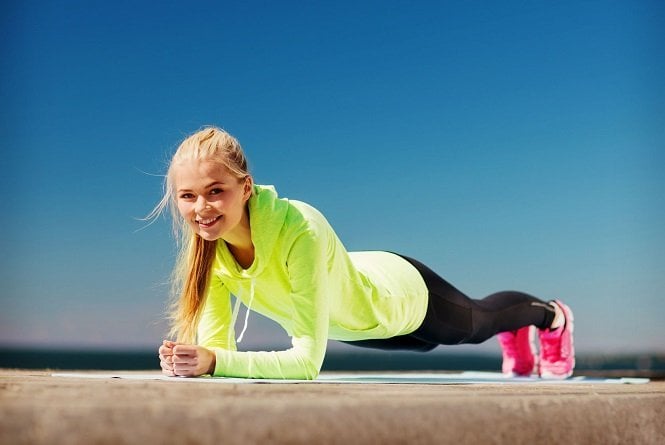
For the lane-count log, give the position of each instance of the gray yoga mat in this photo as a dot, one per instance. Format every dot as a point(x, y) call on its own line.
point(438, 378)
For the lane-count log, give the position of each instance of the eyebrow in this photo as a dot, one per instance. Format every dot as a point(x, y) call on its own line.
point(212, 184)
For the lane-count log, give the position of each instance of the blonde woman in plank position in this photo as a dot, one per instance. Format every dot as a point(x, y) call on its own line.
point(281, 258)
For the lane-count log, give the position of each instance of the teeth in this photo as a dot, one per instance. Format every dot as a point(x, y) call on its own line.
point(207, 221)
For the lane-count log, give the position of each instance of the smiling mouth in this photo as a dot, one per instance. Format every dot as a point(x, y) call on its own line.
point(205, 223)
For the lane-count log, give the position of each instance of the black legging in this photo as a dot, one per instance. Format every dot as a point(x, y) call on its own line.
point(453, 318)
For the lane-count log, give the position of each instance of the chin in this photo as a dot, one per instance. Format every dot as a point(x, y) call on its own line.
point(209, 237)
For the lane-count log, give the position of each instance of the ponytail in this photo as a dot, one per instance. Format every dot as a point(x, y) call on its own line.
point(191, 277)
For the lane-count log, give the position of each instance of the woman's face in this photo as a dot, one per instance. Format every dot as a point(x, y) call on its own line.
point(212, 200)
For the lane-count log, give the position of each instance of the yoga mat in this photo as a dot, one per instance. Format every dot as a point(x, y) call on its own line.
point(466, 377)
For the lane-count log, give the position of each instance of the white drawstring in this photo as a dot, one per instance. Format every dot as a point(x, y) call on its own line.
point(234, 317)
point(249, 307)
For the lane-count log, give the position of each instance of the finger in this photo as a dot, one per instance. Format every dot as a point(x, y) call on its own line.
point(169, 343)
point(187, 371)
point(184, 349)
point(165, 351)
point(184, 360)
point(180, 369)
point(167, 361)
point(166, 366)
point(168, 372)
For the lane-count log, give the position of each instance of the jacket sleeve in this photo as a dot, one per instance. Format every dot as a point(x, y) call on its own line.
point(307, 266)
point(215, 328)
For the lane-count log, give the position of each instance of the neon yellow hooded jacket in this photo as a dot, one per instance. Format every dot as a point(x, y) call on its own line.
point(303, 278)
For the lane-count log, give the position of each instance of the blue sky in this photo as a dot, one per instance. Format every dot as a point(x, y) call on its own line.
point(509, 145)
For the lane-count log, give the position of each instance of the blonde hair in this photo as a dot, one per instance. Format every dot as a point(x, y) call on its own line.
point(191, 274)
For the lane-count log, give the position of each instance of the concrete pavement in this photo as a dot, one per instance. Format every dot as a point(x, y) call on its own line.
point(36, 408)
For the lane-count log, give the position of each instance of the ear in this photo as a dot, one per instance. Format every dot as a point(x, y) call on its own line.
point(248, 187)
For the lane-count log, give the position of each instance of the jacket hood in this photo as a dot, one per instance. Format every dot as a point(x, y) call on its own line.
point(267, 213)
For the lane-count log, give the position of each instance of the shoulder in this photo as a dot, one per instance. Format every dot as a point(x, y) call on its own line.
point(301, 209)
point(291, 218)
point(304, 216)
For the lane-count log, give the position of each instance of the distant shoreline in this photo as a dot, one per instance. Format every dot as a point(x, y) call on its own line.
point(642, 364)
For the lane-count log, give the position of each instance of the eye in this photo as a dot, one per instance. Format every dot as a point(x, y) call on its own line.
point(216, 191)
point(186, 196)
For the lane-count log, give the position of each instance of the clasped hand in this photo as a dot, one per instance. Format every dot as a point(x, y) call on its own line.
point(177, 359)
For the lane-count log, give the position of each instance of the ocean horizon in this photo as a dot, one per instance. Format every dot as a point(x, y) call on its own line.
point(629, 364)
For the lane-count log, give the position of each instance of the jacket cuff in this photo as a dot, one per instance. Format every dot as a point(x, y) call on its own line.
point(221, 356)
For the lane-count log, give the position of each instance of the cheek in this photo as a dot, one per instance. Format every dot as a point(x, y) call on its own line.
point(184, 209)
point(239, 205)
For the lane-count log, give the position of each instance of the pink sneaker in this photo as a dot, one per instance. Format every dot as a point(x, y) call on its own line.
point(519, 359)
point(557, 354)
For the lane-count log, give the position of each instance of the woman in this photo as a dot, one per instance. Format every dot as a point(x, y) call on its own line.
point(282, 259)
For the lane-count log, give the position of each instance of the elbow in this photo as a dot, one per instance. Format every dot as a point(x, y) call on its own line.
point(312, 374)
point(309, 371)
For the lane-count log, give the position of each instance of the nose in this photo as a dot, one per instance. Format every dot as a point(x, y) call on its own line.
point(201, 204)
